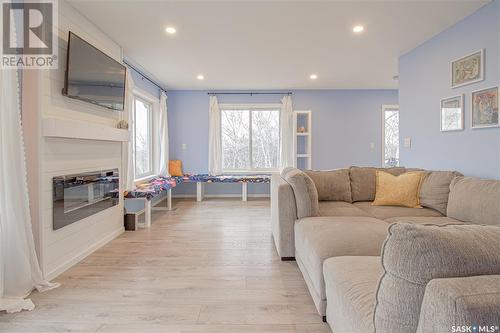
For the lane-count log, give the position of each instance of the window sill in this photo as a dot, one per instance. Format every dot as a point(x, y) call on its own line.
point(250, 172)
point(144, 179)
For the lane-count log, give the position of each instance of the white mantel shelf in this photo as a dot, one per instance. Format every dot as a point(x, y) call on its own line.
point(72, 129)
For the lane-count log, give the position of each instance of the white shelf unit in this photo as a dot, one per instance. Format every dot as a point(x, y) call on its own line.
point(302, 140)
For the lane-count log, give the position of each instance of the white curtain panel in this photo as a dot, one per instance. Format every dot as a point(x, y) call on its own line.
point(19, 269)
point(214, 138)
point(128, 147)
point(286, 132)
point(163, 133)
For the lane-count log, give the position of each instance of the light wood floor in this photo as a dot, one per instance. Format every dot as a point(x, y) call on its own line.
point(206, 267)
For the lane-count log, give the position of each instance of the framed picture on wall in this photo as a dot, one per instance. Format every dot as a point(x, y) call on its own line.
point(452, 113)
point(467, 69)
point(484, 108)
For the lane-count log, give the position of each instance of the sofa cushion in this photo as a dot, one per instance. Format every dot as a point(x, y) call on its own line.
point(351, 285)
point(424, 220)
point(304, 190)
point(415, 254)
point(435, 189)
point(332, 185)
point(452, 301)
point(385, 212)
point(402, 190)
point(175, 168)
point(340, 208)
point(363, 181)
point(319, 238)
point(475, 200)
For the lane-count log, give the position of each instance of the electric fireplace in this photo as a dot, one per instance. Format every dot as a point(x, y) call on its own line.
point(76, 197)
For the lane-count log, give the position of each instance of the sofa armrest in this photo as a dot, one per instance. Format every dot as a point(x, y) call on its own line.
point(414, 255)
point(283, 216)
point(465, 301)
point(305, 192)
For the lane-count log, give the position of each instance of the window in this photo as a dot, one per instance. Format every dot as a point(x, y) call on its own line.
point(390, 135)
point(143, 138)
point(250, 138)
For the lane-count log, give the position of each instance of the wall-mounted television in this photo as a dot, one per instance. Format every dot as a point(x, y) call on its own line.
point(93, 76)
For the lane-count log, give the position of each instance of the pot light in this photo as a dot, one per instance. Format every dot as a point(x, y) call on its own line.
point(313, 76)
point(200, 77)
point(358, 29)
point(170, 30)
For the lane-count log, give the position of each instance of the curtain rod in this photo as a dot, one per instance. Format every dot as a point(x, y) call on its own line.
point(251, 93)
point(144, 76)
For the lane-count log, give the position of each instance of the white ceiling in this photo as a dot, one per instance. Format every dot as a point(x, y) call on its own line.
point(273, 44)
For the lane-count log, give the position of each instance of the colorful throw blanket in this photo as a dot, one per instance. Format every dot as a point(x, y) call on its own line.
point(227, 178)
point(155, 186)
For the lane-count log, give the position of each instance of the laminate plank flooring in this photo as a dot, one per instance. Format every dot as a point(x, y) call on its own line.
point(208, 266)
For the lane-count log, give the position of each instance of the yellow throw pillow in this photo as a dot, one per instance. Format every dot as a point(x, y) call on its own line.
point(402, 190)
point(175, 168)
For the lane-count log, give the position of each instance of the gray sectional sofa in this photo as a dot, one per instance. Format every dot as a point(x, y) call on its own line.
point(369, 267)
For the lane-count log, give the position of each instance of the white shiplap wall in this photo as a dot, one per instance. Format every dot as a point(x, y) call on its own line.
point(60, 249)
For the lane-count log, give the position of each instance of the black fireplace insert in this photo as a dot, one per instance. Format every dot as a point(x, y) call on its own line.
point(76, 197)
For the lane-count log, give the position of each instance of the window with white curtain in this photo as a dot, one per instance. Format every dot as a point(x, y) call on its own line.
point(390, 135)
point(250, 138)
point(143, 130)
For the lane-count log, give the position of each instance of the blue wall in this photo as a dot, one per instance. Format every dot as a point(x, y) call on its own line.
point(424, 79)
point(344, 124)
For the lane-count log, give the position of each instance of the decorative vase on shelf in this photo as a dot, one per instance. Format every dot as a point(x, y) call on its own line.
point(122, 124)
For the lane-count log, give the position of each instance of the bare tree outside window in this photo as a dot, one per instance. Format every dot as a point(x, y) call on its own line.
point(265, 139)
point(250, 139)
point(235, 125)
point(391, 137)
point(143, 138)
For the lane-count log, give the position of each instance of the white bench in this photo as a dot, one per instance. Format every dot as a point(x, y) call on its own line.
point(143, 205)
point(200, 190)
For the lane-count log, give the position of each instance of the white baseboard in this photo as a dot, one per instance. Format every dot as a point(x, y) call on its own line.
point(235, 195)
point(83, 254)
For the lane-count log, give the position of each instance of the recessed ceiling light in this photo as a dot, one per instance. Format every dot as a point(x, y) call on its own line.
point(170, 30)
point(358, 29)
point(313, 76)
point(200, 77)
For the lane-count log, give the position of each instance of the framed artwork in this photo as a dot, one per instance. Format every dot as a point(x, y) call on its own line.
point(452, 113)
point(484, 108)
point(468, 69)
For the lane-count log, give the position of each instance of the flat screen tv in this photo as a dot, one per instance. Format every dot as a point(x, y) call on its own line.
point(93, 76)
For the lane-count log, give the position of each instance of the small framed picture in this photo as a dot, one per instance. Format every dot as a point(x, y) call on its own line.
point(468, 69)
point(452, 113)
point(484, 108)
